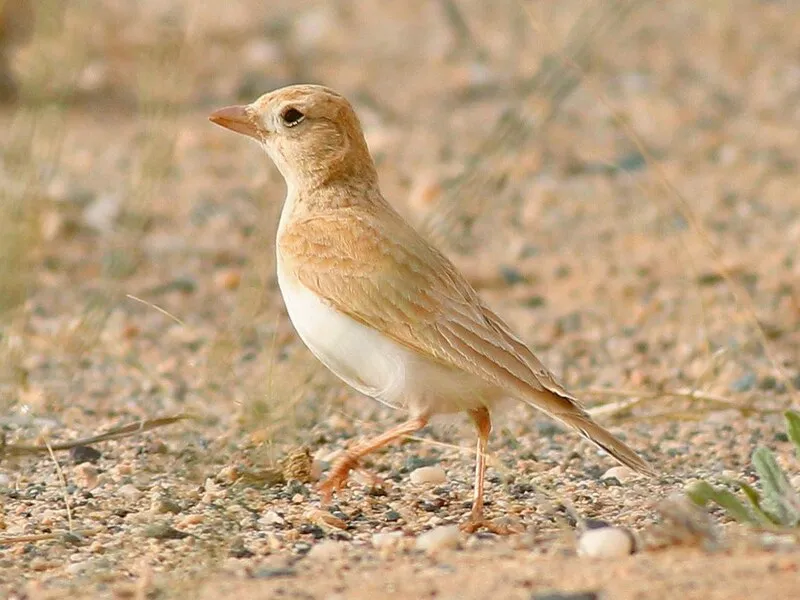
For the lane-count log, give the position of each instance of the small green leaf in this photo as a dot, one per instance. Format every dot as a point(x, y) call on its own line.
point(701, 493)
point(778, 492)
point(761, 514)
point(793, 428)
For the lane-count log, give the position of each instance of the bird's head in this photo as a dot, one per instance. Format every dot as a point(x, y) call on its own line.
point(310, 132)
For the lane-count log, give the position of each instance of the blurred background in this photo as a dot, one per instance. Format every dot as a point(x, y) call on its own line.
point(619, 179)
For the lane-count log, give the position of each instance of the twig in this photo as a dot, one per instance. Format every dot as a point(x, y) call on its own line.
point(63, 481)
point(156, 307)
point(122, 431)
point(39, 537)
point(634, 397)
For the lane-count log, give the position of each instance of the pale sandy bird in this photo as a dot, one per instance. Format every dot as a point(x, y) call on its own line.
point(377, 304)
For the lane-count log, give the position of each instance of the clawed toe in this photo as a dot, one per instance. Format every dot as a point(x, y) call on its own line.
point(337, 478)
point(496, 526)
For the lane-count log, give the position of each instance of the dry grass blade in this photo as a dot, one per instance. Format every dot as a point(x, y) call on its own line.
point(114, 433)
point(63, 481)
point(634, 397)
point(41, 537)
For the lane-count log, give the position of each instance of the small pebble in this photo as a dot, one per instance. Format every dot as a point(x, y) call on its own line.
point(271, 518)
point(83, 454)
point(129, 492)
point(162, 505)
point(606, 542)
point(428, 475)
point(78, 567)
point(621, 474)
point(228, 279)
point(86, 476)
point(447, 537)
point(389, 539)
point(328, 550)
point(162, 531)
point(193, 519)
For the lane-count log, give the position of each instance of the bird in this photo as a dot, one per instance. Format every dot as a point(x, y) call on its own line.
point(377, 304)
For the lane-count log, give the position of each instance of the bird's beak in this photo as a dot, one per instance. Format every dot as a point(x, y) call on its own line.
point(235, 118)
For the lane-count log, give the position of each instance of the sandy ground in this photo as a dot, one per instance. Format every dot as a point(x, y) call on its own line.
point(618, 180)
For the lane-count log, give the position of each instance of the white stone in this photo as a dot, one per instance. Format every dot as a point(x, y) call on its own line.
point(428, 475)
point(129, 492)
point(389, 539)
point(327, 550)
point(78, 567)
point(621, 474)
point(447, 537)
point(271, 518)
point(606, 542)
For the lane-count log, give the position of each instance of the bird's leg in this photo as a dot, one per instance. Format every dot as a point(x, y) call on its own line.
point(483, 423)
point(341, 469)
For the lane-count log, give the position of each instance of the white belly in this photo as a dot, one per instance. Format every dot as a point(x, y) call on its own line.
point(374, 364)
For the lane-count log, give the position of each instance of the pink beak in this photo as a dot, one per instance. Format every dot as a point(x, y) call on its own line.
point(235, 118)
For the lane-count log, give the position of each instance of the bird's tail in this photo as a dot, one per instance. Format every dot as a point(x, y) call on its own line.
point(604, 439)
point(567, 409)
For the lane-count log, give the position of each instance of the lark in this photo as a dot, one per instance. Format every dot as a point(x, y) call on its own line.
point(376, 303)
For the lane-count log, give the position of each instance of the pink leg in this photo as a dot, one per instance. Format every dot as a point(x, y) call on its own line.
point(341, 469)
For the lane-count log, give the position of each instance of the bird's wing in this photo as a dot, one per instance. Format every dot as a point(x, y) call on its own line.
point(401, 286)
point(373, 267)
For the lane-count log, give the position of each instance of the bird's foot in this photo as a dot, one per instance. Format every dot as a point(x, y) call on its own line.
point(338, 477)
point(477, 521)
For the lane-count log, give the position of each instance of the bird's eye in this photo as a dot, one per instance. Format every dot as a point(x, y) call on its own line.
point(292, 117)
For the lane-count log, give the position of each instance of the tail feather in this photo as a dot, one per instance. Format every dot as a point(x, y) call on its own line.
point(604, 439)
point(568, 411)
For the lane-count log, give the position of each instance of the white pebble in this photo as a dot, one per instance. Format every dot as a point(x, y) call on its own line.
point(389, 539)
point(621, 474)
point(432, 475)
point(327, 550)
point(447, 537)
point(129, 492)
point(78, 567)
point(271, 518)
point(606, 542)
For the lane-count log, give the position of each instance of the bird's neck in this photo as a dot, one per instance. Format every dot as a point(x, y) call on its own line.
point(307, 198)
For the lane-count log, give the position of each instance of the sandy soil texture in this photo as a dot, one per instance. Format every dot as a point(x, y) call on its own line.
point(618, 179)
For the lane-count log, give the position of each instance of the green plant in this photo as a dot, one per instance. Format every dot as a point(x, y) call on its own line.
point(778, 503)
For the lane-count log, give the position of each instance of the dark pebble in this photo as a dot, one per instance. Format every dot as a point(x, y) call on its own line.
point(295, 487)
point(392, 516)
point(271, 572)
point(511, 275)
point(301, 548)
point(162, 531)
point(745, 383)
point(239, 550)
point(566, 596)
point(596, 524)
point(73, 539)
point(314, 530)
point(83, 454)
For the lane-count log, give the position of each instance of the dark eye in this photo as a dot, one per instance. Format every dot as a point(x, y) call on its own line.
point(292, 117)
